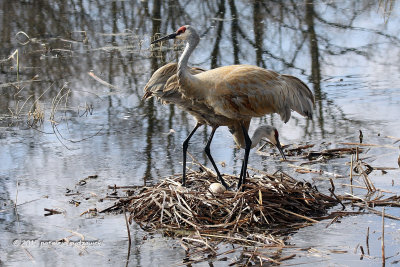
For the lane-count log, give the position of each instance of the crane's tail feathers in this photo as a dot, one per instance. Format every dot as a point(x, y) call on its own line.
point(298, 98)
point(147, 95)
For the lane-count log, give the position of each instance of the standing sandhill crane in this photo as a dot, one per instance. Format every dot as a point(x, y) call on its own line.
point(203, 114)
point(239, 92)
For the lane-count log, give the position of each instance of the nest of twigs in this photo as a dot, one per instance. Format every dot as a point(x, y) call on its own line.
point(268, 202)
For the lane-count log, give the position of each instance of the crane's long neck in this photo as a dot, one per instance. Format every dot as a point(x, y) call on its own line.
point(259, 133)
point(183, 60)
point(187, 82)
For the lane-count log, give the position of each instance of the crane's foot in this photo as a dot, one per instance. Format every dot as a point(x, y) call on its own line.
point(184, 182)
point(235, 188)
point(241, 188)
point(222, 181)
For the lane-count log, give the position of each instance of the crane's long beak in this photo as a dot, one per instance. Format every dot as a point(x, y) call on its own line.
point(278, 145)
point(171, 36)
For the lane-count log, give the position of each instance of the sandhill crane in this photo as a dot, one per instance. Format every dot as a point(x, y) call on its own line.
point(203, 114)
point(239, 92)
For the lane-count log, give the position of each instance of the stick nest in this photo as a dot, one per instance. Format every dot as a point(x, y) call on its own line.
point(267, 203)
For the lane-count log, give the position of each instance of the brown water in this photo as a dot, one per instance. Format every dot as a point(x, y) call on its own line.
point(346, 51)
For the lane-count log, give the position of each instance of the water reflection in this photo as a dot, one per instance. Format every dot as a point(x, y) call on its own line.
point(347, 51)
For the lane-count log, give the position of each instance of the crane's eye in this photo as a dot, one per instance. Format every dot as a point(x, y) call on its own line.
point(181, 30)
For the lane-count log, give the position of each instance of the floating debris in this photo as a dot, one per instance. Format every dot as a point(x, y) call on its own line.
point(53, 211)
point(398, 161)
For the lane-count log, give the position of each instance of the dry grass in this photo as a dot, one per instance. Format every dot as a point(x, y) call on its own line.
point(268, 202)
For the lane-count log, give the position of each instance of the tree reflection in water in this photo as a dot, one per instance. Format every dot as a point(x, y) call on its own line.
point(346, 51)
point(67, 40)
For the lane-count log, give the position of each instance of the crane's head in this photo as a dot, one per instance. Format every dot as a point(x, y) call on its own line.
point(183, 33)
point(271, 133)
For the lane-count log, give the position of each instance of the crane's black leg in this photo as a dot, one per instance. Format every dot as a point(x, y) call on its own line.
point(243, 171)
point(185, 146)
point(208, 153)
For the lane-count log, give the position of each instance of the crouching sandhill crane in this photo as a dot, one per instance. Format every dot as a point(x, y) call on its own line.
point(203, 114)
point(239, 92)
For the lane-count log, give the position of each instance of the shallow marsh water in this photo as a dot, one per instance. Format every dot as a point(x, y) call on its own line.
point(346, 51)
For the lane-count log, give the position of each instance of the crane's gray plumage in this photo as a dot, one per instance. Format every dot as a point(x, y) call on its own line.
point(204, 115)
point(232, 95)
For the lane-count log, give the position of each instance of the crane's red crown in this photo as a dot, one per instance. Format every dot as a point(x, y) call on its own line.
point(181, 30)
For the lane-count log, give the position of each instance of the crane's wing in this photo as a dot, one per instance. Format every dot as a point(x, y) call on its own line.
point(163, 78)
point(155, 85)
point(249, 91)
